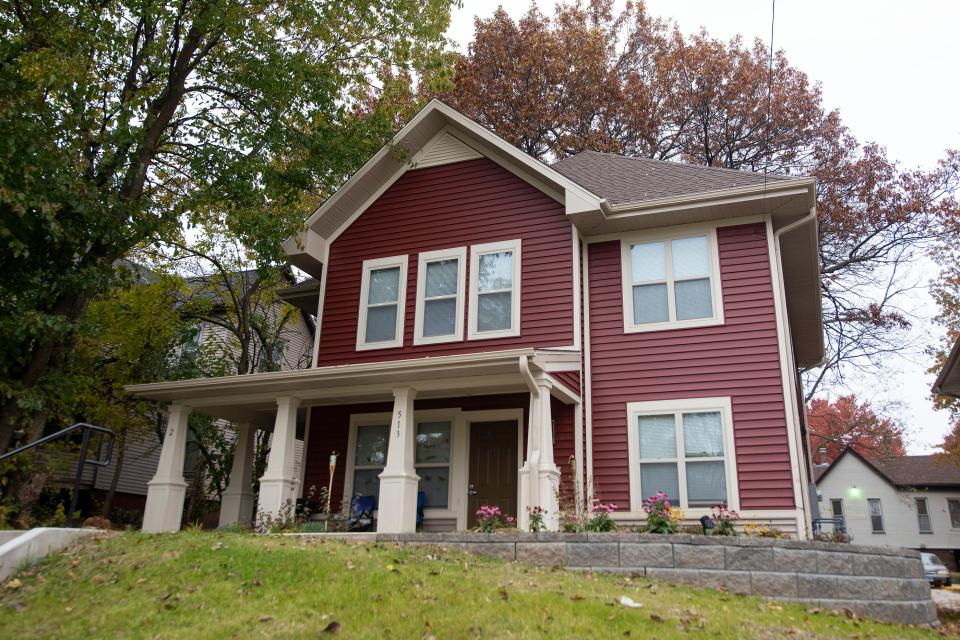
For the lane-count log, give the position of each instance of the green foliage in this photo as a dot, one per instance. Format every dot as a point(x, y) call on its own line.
point(121, 120)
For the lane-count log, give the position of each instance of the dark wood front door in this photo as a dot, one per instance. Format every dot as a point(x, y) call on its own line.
point(493, 468)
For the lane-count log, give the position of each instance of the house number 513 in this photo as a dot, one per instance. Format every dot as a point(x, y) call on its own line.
point(399, 418)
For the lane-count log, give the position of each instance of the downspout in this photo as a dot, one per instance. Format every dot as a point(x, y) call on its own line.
point(800, 440)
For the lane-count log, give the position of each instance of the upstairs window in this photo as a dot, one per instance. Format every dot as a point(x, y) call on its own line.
point(494, 290)
point(876, 515)
point(441, 277)
point(671, 282)
point(923, 515)
point(382, 295)
point(684, 449)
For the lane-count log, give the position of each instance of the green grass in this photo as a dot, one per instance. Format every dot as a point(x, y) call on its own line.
point(225, 585)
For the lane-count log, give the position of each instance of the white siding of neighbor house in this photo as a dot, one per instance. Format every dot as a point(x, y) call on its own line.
point(853, 482)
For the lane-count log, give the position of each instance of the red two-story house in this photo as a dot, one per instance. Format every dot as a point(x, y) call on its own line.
point(489, 327)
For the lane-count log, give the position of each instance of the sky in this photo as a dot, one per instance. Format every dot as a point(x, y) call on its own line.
point(890, 68)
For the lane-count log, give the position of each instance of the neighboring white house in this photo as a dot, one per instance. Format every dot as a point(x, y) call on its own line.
point(902, 501)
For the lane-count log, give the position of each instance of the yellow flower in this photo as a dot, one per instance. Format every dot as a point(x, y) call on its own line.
point(675, 515)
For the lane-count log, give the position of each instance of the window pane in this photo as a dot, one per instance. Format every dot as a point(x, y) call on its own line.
point(702, 435)
point(493, 311)
point(434, 482)
point(648, 261)
point(433, 442)
point(953, 506)
point(441, 278)
point(496, 271)
point(384, 285)
point(439, 317)
point(923, 515)
point(876, 515)
point(693, 299)
point(372, 445)
point(658, 437)
point(706, 484)
point(660, 477)
point(837, 507)
point(381, 323)
point(366, 482)
point(650, 303)
point(689, 257)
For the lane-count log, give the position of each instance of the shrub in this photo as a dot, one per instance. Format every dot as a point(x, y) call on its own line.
point(724, 521)
point(490, 518)
point(756, 530)
point(833, 536)
point(600, 519)
point(659, 517)
point(96, 522)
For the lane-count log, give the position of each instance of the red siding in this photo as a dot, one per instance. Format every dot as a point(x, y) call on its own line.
point(454, 205)
point(739, 359)
point(570, 379)
point(330, 427)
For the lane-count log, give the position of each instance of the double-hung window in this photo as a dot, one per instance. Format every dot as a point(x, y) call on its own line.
point(876, 515)
point(671, 282)
point(441, 278)
point(953, 508)
point(382, 296)
point(494, 290)
point(923, 515)
point(433, 462)
point(370, 456)
point(684, 449)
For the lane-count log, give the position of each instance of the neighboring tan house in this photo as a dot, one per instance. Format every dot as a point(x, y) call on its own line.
point(142, 450)
point(483, 318)
point(900, 501)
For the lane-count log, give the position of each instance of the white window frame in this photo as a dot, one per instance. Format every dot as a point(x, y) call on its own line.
point(949, 500)
point(358, 420)
point(459, 254)
point(368, 267)
point(668, 236)
point(476, 251)
point(677, 408)
point(926, 503)
point(425, 417)
point(883, 524)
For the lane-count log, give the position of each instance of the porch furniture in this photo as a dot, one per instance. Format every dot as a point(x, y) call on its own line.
point(421, 501)
point(361, 513)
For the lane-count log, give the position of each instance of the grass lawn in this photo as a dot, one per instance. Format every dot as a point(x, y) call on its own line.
point(227, 585)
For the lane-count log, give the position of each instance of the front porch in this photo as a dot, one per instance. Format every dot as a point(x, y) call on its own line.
point(464, 430)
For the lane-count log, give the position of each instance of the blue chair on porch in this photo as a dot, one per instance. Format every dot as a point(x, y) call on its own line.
point(421, 501)
point(361, 513)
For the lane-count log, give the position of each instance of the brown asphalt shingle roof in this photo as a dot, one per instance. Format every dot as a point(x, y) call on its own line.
point(905, 471)
point(625, 179)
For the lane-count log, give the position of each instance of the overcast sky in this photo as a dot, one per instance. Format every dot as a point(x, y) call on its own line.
point(891, 68)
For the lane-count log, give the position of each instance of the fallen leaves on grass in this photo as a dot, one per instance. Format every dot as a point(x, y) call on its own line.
point(630, 602)
point(332, 628)
point(13, 585)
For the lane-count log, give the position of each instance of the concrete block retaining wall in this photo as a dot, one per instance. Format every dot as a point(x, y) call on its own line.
point(877, 582)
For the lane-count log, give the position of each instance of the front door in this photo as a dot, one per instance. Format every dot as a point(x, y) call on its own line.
point(493, 468)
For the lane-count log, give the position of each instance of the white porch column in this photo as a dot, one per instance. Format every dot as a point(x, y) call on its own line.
point(397, 506)
point(278, 484)
point(167, 489)
point(237, 503)
point(539, 476)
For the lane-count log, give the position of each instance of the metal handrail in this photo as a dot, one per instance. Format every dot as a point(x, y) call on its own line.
point(87, 429)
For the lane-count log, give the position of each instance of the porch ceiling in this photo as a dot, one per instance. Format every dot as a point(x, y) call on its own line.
point(252, 398)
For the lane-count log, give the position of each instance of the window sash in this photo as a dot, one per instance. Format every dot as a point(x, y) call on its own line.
point(923, 515)
point(876, 515)
point(692, 299)
point(953, 508)
point(482, 326)
point(834, 504)
point(681, 459)
point(367, 307)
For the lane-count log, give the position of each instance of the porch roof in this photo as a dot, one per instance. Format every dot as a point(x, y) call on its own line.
point(252, 397)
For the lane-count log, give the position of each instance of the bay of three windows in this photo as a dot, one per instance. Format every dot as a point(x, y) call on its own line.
point(494, 291)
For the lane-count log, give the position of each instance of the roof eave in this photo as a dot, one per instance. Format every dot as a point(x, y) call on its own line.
point(948, 380)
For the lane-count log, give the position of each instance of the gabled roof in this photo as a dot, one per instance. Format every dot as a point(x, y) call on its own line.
point(904, 471)
point(624, 179)
point(948, 381)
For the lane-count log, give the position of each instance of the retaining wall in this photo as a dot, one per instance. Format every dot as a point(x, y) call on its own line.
point(877, 582)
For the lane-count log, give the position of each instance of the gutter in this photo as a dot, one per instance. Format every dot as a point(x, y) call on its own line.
point(953, 360)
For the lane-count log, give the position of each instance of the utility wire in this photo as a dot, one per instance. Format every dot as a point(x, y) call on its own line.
point(773, 16)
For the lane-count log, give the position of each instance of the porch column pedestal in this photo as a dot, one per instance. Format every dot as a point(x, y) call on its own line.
point(397, 506)
point(237, 503)
point(539, 476)
point(167, 489)
point(278, 484)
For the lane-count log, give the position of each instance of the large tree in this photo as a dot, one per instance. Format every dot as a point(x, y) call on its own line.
point(628, 83)
point(847, 422)
point(119, 118)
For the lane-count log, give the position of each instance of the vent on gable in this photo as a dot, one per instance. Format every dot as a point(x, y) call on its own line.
point(445, 150)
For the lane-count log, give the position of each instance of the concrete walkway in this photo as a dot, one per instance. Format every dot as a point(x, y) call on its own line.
point(30, 546)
